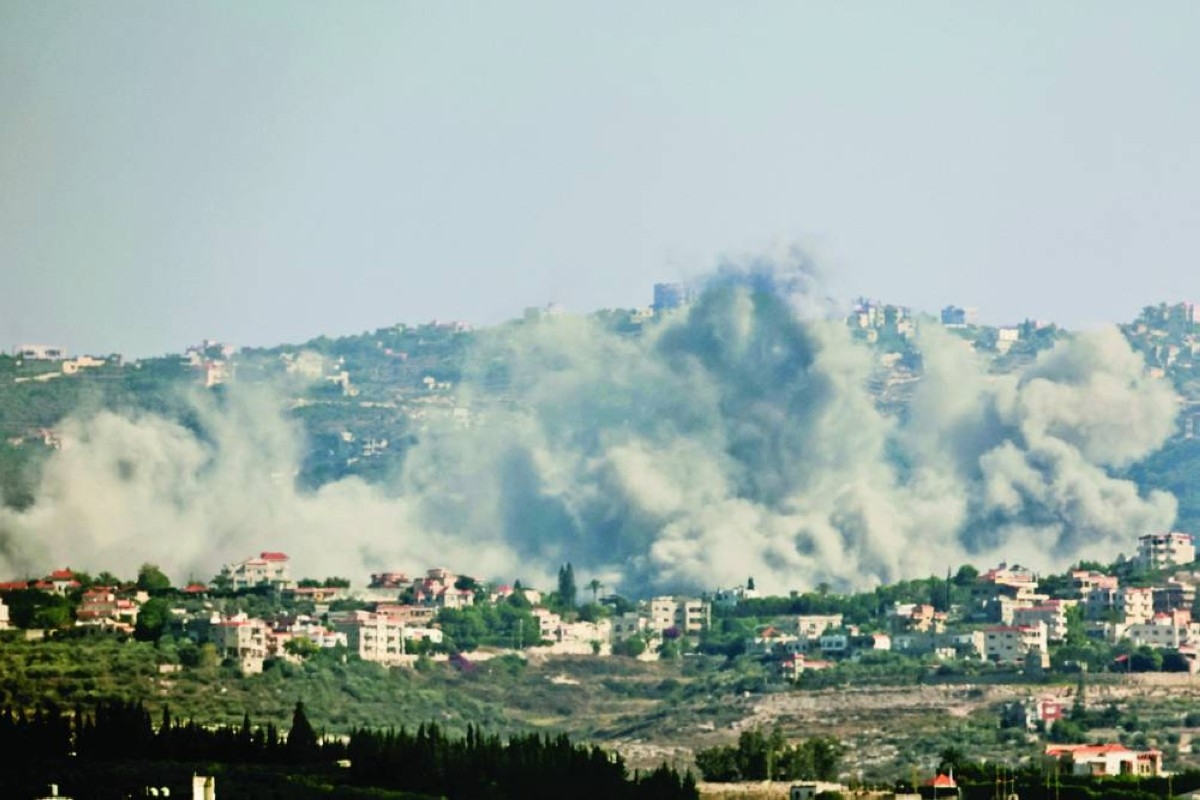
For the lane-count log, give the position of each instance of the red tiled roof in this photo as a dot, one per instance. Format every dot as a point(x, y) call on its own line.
point(269, 556)
point(62, 575)
point(941, 782)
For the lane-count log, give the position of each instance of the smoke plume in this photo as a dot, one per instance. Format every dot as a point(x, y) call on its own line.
point(731, 438)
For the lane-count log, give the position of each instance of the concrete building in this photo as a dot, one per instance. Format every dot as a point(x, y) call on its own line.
point(1106, 760)
point(379, 638)
point(1016, 644)
point(1052, 613)
point(268, 569)
point(1164, 631)
point(243, 640)
point(687, 615)
point(4, 623)
point(1164, 550)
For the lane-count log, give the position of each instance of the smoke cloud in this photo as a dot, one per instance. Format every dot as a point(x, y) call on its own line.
point(733, 438)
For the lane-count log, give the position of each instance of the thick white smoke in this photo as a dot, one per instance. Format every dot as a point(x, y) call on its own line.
point(733, 439)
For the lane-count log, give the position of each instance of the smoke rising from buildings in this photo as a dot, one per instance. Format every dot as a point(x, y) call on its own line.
point(732, 438)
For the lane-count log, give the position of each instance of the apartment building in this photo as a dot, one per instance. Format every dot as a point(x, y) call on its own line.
point(1164, 550)
point(1017, 644)
point(1052, 613)
point(687, 615)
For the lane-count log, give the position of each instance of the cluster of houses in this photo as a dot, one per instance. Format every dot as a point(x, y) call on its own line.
point(393, 620)
point(1014, 623)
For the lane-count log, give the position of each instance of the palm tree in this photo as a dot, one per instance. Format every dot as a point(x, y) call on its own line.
point(595, 585)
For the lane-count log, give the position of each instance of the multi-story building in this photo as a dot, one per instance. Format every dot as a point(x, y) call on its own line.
point(1053, 613)
point(1164, 550)
point(1017, 644)
point(267, 570)
point(687, 615)
point(1084, 581)
point(1174, 595)
point(243, 640)
point(1164, 631)
point(1136, 603)
point(377, 637)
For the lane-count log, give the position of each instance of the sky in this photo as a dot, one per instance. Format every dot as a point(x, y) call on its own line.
point(267, 172)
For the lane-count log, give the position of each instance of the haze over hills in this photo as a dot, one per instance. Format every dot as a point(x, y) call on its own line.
point(749, 432)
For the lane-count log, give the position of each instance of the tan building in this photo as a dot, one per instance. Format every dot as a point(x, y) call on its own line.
point(685, 614)
point(244, 640)
point(1016, 644)
point(1053, 613)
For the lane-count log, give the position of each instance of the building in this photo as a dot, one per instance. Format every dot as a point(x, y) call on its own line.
point(1085, 581)
point(244, 640)
point(101, 606)
point(1175, 595)
point(687, 615)
point(1164, 631)
point(811, 626)
point(1135, 603)
point(1106, 760)
point(40, 352)
point(1164, 550)
point(1053, 613)
point(1016, 644)
point(4, 623)
point(268, 569)
point(379, 638)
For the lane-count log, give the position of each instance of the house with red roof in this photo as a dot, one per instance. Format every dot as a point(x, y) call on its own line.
point(940, 786)
point(269, 569)
point(1105, 760)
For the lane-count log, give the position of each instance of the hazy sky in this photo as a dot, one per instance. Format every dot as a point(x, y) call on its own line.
point(264, 172)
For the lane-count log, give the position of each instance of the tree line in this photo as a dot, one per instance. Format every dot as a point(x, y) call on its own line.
point(427, 761)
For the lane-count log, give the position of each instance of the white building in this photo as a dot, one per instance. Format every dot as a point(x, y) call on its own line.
point(379, 638)
point(4, 624)
point(1106, 760)
point(1164, 631)
point(268, 569)
point(1163, 550)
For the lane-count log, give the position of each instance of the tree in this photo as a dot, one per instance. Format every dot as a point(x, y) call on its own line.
point(151, 620)
point(301, 647)
point(566, 585)
point(302, 744)
point(152, 579)
point(595, 585)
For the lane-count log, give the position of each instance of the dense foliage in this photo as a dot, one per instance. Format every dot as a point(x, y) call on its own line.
point(426, 762)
